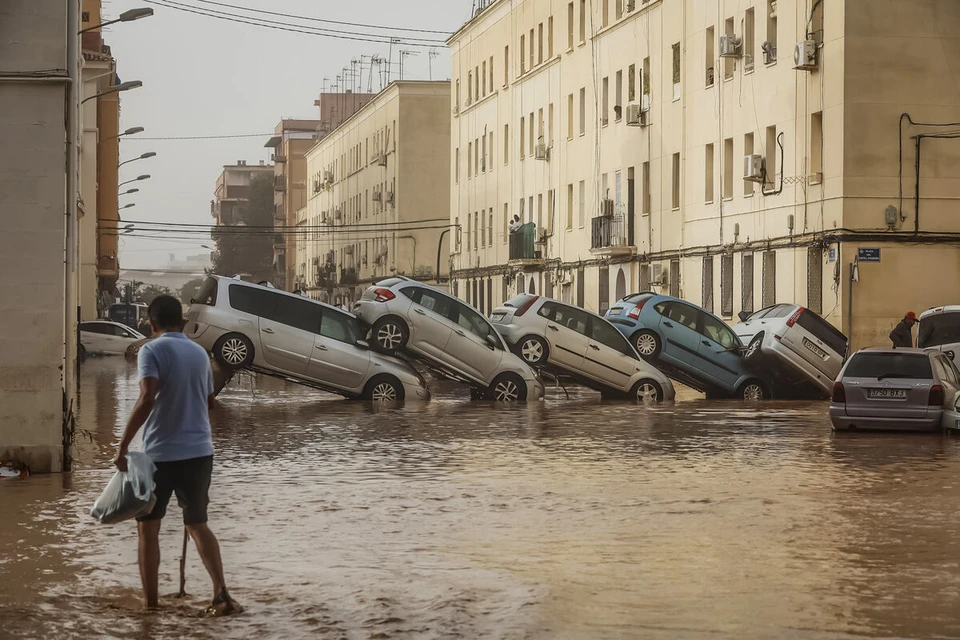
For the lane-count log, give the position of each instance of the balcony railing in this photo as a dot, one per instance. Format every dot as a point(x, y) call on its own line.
point(608, 231)
point(523, 243)
point(348, 276)
point(280, 182)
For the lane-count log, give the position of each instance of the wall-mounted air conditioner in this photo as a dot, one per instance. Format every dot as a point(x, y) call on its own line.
point(753, 168)
point(388, 197)
point(730, 46)
point(805, 55)
point(542, 152)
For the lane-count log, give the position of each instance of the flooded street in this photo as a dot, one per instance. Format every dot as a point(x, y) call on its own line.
point(570, 518)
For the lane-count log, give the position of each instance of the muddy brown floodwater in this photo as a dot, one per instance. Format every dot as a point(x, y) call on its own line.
point(570, 518)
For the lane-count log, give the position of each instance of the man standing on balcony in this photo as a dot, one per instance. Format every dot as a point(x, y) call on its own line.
point(515, 224)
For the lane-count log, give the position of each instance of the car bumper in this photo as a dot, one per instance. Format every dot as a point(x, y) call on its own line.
point(366, 310)
point(535, 390)
point(510, 332)
point(843, 422)
point(415, 392)
point(795, 365)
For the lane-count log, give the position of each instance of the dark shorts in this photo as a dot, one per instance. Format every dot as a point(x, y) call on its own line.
point(190, 480)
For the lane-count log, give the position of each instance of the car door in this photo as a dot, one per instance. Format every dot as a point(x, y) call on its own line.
point(718, 354)
point(116, 339)
point(336, 359)
point(566, 333)
point(430, 321)
point(606, 360)
point(92, 336)
point(470, 348)
point(288, 328)
point(678, 327)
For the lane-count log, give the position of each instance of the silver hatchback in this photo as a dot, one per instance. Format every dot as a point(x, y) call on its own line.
point(450, 335)
point(282, 334)
point(549, 333)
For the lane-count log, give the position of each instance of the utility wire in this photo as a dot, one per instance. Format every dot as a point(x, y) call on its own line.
point(268, 227)
point(223, 137)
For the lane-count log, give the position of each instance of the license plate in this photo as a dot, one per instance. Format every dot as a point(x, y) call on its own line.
point(893, 394)
point(616, 311)
point(814, 348)
point(497, 317)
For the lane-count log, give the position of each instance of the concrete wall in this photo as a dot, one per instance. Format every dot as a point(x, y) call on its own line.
point(33, 202)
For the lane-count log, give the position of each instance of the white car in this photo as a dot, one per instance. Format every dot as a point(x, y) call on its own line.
point(105, 337)
point(796, 345)
point(246, 325)
point(939, 329)
point(549, 333)
point(447, 333)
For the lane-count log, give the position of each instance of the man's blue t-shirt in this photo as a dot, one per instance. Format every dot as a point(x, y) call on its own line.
point(178, 427)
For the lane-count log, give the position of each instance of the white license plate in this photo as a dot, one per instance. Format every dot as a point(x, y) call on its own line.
point(894, 394)
point(497, 317)
point(814, 348)
point(616, 311)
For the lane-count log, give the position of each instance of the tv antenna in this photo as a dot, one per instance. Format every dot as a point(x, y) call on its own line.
point(433, 53)
point(403, 54)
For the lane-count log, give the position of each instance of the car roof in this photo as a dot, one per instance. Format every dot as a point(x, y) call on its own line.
point(232, 281)
point(948, 308)
point(105, 321)
point(898, 350)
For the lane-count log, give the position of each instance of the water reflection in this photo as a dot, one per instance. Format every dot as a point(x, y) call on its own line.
point(570, 518)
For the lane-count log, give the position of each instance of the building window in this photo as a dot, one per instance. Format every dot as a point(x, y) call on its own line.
point(484, 78)
point(476, 229)
point(728, 63)
point(549, 140)
point(770, 46)
point(533, 58)
point(675, 278)
point(707, 293)
point(816, 146)
point(506, 144)
point(583, 111)
point(618, 97)
point(506, 65)
point(583, 204)
point(619, 9)
point(531, 132)
point(469, 88)
point(605, 108)
point(530, 210)
point(523, 129)
point(771, 160)
point(570, 206)
point(815, 279)
point(476, 156)
point(749, 39)
point(550, 38)
point(491, 74)
point(707, 174)
point(455, 104)
point(748, 151)
point(456, 233)
point(523, 55)
point(539, 212)
point(490, 227)
point(726, 286)
point(709, 61)
point(540, 43)
point(746, 283)
point(483, 155)
point(456, 165)
point(483, 230)
point(583, 21)
point(675, 195)
point(769, 297)
point(645, 201)
point(605, 18)
point(676, 71)
point(645, 81)
point(570, 26)
point(469, 159)
point(728, 168)
point(570, 117)
point(632, 83)
point(490, 159)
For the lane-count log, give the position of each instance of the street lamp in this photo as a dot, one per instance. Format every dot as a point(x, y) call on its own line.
point(126, 16)
point(128, 191)
point(145, 176)
point(123, 86)
point(128, 132)
point(148, 154)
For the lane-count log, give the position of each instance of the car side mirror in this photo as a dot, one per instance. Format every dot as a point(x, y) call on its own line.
point(492, 341)
point(743, 315)
point(363, 344)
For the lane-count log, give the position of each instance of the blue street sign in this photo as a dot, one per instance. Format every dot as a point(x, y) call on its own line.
point(868, 254)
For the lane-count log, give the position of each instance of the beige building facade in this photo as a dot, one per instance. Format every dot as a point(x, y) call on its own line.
point(734, 153)
point(378, 195)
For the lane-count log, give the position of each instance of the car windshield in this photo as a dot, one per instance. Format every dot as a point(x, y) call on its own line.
point(637, 298)
point(518, 301)
point(889, 365)
point(824, 330)
point(207, 293)
point(939, 329)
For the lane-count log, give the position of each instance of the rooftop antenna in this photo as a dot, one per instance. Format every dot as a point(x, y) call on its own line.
point(393, 41)
point(433, 53)
point(403, 54)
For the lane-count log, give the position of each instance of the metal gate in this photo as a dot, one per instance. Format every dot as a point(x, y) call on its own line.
point(707, 294)
point(769, 279)
point(726, 286)
point(645, 277)
point(746, 282)
point(604, 288)
point(815, 279)
point(675, 278)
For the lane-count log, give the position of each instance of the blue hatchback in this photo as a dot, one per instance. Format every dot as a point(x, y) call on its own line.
point(689, 343)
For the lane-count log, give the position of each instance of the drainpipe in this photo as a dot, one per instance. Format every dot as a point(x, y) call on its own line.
point(439, 249)
point(72, 235)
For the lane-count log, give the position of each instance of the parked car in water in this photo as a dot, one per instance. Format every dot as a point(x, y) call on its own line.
point(894, 389)
point(450, 335)
point(795, 345)
point(106, 337)
point(939, 328)
point(549, 333)
point(245, 325)
point(689, 344)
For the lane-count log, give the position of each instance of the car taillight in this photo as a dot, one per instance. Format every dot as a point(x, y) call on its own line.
point(839, 393)
point(796, 316)
point(936, 396)
point(525, 306)
point(385, 295)
point(635, 312)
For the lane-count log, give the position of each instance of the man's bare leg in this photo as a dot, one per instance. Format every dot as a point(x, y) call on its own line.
point(149, 558)
point(209, 550)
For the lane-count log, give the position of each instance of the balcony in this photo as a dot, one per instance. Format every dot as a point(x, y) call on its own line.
point(279, 158)
point(608, 236)
point(280, 182)
point(107, 266)
point(523, 246)
point(348, 276)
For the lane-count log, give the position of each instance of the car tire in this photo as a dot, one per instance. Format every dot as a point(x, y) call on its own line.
point(389, 334)
point(647, 391)
point(753, 391)
point(384, 389)
point(234, 351)
point(508, 387)
point(753, 353)
point(533, 350)
point(647, 343)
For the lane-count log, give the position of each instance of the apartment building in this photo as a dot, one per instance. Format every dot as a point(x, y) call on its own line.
point(232, 190)
point(379, 195)
point(736, 153)
point(290, 142)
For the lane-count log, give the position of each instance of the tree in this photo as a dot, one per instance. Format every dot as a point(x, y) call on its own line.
point(242, 250)
point(190, 289)
point(152, 291)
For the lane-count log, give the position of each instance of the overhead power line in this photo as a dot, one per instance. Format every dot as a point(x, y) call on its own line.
point(223, 137)
point(209, 227)
point(314, 31)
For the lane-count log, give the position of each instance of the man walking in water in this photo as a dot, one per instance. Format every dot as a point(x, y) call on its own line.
point(902, 334)
point(176, 394)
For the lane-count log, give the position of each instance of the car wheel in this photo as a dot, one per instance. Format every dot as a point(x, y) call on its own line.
point(753, 391)
point(384, 389)
point(508, 387)
point(233, 350)
point(647, 344)
point(533, 350)
point(753, 352)
point(647, 391)
point(390, 334)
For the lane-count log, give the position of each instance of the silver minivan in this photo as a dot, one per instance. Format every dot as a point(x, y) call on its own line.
point(246, 325)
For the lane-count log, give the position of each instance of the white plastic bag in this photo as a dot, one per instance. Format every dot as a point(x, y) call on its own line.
point(129, 493)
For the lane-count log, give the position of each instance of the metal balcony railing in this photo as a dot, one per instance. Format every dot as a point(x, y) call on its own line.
point(280, 182)
point(608, 231)
point(348, 276)
point(523, 243)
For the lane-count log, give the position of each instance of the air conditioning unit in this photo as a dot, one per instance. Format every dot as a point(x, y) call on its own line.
point(348, 249)
point(328, 176)
point(337, 215)
point(635, 115)
point(657, 275)
point(316, 186)
point(541, 152)
point(805, 55)
point(382, 160)
point(753, 168)
point(388, 198)
point(769, 52)
point(316, 262)
point(323, 218)
point(730, 46)
point(606, 208)
point(377, 196)
point(631, 5)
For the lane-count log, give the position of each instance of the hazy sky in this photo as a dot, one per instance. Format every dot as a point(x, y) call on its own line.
point(203, 76)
